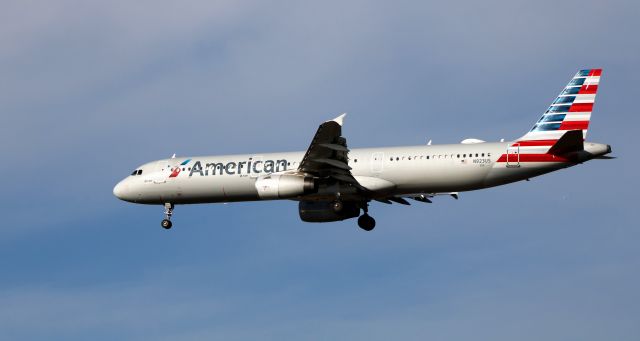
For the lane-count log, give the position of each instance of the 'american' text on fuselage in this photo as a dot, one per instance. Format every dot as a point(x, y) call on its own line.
point(239, 168)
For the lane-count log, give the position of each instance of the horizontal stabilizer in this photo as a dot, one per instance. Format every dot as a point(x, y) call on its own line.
point(571, 141)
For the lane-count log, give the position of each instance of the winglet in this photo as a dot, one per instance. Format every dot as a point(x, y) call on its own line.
point(340, 119)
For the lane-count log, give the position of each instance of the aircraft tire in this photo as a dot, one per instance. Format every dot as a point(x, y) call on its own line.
point(366, 222)
point(166, 224)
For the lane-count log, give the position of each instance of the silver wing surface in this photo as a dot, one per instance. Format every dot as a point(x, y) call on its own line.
point(327, 156)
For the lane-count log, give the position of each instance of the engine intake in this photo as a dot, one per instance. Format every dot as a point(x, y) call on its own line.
point(283, 186)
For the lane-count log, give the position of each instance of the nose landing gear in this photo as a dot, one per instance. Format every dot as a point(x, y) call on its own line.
point(168, 212)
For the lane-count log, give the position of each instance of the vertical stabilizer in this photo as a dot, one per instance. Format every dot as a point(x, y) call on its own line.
point(571, 110)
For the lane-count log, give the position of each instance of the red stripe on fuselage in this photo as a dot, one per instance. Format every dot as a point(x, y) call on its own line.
point(532, 158)
point(536, 143)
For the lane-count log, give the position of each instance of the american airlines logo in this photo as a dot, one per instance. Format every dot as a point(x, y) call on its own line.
point(176, 170)
point(248, 167)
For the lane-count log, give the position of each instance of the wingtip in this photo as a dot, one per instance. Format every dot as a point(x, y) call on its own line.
point(340, 119)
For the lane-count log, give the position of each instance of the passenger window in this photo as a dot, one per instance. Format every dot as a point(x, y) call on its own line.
point(397, 158)
point(427, 157)
point(488, 154)
point(356, 160)
point(482, 154)
point(476, 154)
point(458, 156)
point(409, 157)
point(464, 155)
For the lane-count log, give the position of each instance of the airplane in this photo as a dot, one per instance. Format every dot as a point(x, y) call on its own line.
point(332, 182)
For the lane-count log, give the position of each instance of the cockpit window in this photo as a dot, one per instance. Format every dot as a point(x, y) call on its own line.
point(139, 171)
point(134, 172)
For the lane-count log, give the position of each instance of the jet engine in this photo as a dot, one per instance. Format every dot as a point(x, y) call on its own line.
point(283, 186)
point(324, 211)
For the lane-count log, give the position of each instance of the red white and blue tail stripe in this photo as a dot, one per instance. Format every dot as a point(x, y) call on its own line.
point(571, 110)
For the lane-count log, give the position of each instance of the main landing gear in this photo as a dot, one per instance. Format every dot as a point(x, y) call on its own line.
point(168, 212)
point(365, 221)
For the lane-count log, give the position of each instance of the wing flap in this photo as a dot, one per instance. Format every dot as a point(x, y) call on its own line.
point(335, 147)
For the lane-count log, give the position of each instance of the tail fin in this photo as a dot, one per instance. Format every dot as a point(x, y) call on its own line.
point(571, 110)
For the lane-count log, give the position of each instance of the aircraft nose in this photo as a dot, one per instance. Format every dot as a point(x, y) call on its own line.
point(120, 191)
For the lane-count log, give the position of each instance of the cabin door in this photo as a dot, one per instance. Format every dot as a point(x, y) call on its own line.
point(513, 156)
point(377, 162)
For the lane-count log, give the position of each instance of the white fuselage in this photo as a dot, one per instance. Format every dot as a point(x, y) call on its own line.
point(387, 171)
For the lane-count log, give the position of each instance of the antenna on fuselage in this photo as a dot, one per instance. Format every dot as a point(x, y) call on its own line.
point(173, 156)
point(429, 143)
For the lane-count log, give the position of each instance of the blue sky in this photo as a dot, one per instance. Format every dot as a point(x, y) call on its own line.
point(88, 91)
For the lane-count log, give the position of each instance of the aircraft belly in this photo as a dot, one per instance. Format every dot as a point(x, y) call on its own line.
point(439, 176)
point(500, 174)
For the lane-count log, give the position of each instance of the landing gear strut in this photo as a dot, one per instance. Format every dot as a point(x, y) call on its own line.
point(365, 221)
point(168, 212)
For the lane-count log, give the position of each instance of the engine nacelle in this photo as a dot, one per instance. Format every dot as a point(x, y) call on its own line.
point(283, 186)
point(322, 211)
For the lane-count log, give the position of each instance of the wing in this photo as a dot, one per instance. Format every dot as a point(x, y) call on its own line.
point(327, 155)
point(422, 197)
